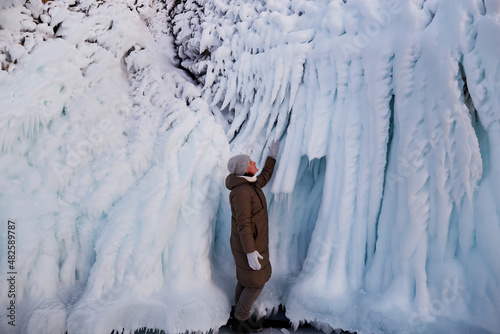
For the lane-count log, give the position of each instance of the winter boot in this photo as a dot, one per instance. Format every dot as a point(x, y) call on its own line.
point(246, 326)
point(255, 324)
point(231, 317)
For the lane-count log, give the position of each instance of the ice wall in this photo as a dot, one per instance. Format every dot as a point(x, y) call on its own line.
point(110, 167)
point(401, 100)
point(118, 118)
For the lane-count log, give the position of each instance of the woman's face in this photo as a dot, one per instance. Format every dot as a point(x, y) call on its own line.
point(252, 168)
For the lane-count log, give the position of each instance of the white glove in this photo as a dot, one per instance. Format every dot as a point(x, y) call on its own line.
point(274, 148)
point(253, 260)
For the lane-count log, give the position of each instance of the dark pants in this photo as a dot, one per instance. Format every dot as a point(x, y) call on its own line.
point(244, 298)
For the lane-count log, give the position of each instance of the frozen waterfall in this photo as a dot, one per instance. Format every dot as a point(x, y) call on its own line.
point(117, 119)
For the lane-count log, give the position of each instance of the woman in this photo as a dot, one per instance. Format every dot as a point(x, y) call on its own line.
point(249, 232)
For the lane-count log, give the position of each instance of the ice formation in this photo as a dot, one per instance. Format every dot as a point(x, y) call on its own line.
point(117, 119)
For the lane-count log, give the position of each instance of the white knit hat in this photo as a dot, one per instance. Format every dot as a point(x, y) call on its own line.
point(238, 164)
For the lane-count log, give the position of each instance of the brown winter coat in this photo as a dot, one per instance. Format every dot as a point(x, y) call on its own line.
point(249, 226)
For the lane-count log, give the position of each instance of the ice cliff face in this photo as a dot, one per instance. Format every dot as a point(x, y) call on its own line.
point(118, 118)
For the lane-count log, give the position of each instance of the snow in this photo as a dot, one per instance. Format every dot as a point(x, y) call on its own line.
point(118, 119)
